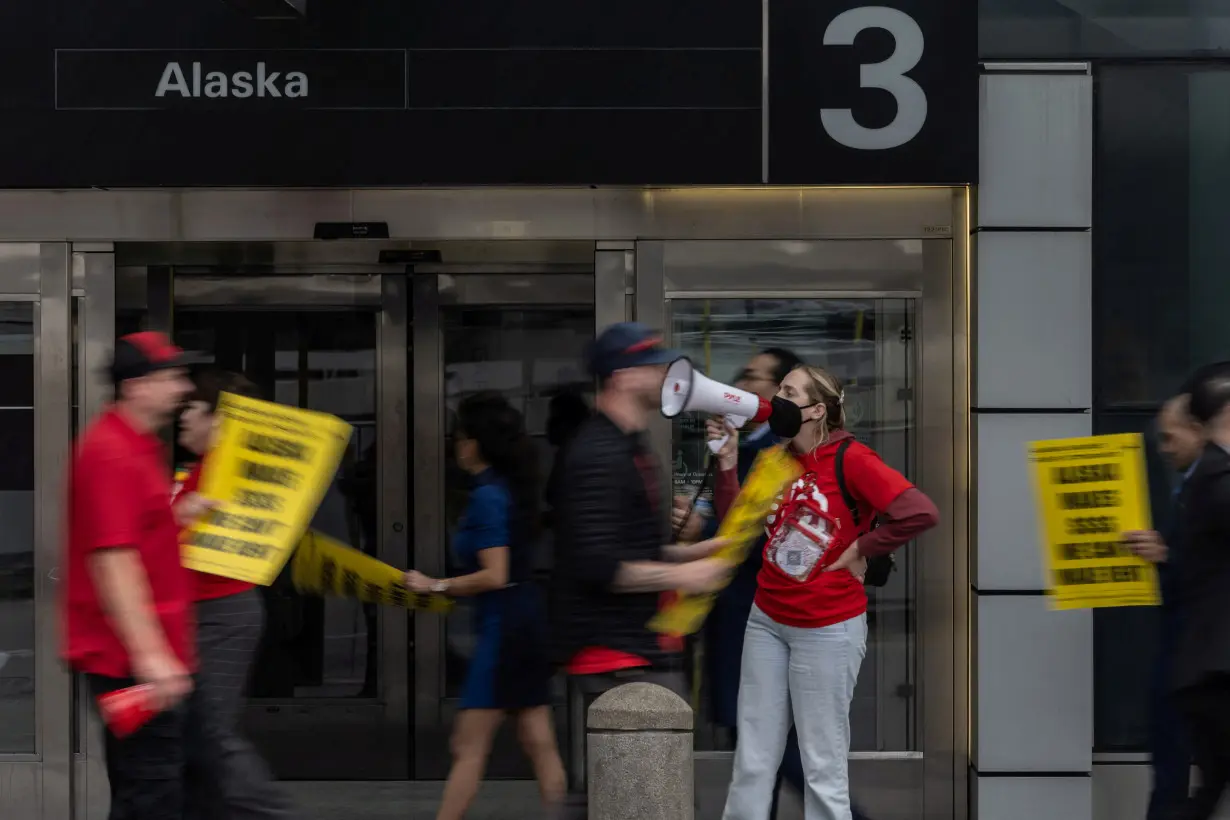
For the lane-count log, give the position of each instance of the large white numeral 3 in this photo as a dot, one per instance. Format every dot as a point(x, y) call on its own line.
point(888, 75)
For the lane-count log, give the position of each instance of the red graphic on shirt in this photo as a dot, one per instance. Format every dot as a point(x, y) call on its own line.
point(800, 529)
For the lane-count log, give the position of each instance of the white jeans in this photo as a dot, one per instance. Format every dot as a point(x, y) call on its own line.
point(807, 674)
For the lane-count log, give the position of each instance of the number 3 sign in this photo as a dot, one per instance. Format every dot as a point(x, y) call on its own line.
point(873, 94)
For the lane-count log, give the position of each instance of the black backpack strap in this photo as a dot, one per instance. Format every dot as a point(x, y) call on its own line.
point(839, 469)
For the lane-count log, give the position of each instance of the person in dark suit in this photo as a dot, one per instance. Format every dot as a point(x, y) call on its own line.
point(1201, 670)
point(1178, 439)
point(727, 621)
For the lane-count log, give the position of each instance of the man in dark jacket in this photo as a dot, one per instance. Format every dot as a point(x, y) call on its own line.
point(1179, 439)
point(613, 562)
point(1201, 673)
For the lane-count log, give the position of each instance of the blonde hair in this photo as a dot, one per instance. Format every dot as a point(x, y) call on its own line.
point(825, 388)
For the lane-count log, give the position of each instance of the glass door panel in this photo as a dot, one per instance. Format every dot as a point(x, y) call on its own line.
point(17, 712)
point(529, 353)
point(318, 704)
point(868, 344)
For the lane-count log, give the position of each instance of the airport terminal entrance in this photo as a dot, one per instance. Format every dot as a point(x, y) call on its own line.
point(344, 690)
point(348, 691)
point(390, 335)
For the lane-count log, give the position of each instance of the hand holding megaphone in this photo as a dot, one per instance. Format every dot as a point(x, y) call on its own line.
point(720, 431)
point(685, 390)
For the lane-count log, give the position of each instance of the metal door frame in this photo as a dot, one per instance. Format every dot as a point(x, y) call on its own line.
point(383, 294)
point(434, 289)
point(936, 771)
point(94, 289)
point(40, 275)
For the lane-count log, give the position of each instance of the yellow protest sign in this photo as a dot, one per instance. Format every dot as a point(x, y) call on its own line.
point(742, 526)
point(325, 566)
point(1090, 491)
point(268, 471)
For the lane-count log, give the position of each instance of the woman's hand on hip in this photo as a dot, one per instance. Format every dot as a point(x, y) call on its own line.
point(850, 560)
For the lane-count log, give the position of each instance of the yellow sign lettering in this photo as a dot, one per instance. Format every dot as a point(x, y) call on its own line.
point(1090, 491)
point(268, 472)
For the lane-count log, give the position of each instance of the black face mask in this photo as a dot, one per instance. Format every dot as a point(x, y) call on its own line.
point(786, 417)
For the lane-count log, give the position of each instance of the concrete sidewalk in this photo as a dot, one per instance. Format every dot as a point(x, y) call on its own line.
point(497, 800)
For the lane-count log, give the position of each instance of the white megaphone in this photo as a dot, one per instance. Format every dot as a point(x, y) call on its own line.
point(685, 390)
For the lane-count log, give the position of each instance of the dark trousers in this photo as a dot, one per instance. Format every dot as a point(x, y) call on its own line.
point(1206, 710)
point(1168, 746)
point(226, 776)
point(146, 768)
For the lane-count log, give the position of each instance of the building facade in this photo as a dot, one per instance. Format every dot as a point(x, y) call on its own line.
point(375, 213)
point(1158, 123)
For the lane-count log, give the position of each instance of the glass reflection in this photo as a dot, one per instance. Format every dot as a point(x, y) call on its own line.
point(325, 361)
point(1082, 29)
point(17, 710)
point(534, 358)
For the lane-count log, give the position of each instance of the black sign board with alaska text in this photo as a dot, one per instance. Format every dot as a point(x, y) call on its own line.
point(139, 93)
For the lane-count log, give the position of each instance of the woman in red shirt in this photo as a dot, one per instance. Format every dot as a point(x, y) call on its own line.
point(807, 634)
point(226, 775)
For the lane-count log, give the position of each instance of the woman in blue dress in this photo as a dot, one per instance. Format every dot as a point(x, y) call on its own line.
point(510, 672)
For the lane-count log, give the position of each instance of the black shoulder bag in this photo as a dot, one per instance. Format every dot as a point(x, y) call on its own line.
point(880, 567)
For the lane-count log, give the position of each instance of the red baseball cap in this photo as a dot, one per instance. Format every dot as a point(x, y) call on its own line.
point(139, 354)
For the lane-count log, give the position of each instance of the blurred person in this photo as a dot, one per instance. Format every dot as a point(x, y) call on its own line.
point(127, 607)
point(227, 777)
point(510, 671)
point(614, 561)
point(1200, 677)
point(807, 632)
point(1180, 440)
point(566, 412)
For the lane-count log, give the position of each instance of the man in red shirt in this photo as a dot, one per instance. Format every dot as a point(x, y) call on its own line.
point(127, 607)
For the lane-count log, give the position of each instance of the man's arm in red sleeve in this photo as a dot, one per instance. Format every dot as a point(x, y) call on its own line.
point(725, 490)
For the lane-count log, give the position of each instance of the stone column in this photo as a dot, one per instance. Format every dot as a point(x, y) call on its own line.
point(1032, 741)
point(640, 755)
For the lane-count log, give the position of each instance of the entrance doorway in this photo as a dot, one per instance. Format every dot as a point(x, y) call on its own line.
point(345, 692)
point(523, 335)
point(342, 690)
point(329, 695)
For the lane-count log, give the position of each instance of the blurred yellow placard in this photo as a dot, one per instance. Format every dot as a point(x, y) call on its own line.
point(325, 566)
point(268, 471)
point(742, 526)
point(1089, 492)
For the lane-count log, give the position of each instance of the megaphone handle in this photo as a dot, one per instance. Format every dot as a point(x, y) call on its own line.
point(700, 488)
point(730, 422)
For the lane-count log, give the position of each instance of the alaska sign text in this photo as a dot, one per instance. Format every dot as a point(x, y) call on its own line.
point(193, 81)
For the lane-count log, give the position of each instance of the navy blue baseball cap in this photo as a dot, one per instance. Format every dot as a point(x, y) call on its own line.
point(624, 345)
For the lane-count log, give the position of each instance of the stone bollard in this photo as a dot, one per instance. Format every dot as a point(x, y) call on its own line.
point(640, 755)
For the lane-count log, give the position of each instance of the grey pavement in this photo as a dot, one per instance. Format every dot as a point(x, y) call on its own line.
point(497, 800)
